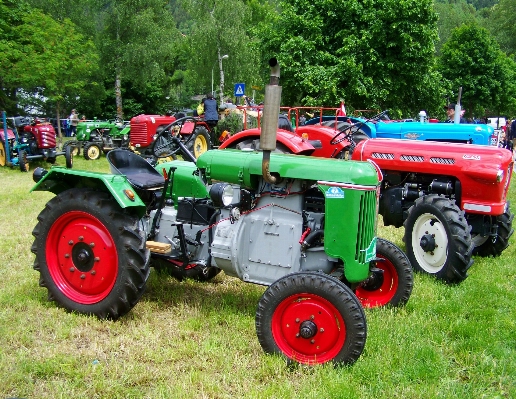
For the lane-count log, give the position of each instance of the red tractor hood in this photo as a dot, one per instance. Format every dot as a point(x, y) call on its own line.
point(484, 171)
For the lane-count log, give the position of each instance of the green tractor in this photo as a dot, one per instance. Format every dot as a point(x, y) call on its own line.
point(304, 227)
point(96, 137)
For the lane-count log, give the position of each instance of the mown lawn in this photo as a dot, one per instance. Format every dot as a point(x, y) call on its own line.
point(194, 340)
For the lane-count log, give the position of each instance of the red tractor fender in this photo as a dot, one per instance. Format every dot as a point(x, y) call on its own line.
point(295, 143)
point(321, 137)
point(484, 172)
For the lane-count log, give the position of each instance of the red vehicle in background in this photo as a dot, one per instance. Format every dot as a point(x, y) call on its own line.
point(193, 131)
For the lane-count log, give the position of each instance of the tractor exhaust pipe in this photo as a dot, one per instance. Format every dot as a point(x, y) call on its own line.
point(271, 108)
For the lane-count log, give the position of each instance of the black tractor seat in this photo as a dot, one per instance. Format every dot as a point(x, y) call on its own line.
point(140, 174)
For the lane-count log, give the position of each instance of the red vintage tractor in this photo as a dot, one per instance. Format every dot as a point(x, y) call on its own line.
point(145, 129)
point(28, 141)
point(451, 198)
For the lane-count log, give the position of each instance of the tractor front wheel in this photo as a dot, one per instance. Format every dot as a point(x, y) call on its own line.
point(311, 318)
point(438, 238)
point(69, 157)
point(200, 141)
point(74, 145)
point(23, 161)
point(90, 254)
point(494, 246)
point(392, 281)
point(91, 151)
point(3, 155)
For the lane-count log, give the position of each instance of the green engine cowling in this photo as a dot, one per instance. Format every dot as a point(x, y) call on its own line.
point(350, 190)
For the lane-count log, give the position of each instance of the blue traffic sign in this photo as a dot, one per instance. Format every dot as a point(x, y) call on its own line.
point(239, 89)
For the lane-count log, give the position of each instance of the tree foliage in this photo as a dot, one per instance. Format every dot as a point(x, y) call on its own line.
point(50, 57)
point(374, 54)
point(472, 59)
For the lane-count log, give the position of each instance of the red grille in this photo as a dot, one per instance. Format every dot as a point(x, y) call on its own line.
point(139, 134)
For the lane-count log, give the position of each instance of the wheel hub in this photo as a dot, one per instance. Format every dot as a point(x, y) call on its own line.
point(374, 281)
point(427, 243)
point(307, 329)
point(83, 257)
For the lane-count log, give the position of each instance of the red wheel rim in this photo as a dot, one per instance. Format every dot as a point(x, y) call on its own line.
point(308, 329)
point(81, 257)
point(383, 294)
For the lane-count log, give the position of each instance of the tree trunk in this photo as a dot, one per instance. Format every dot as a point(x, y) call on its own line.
point(118, 95)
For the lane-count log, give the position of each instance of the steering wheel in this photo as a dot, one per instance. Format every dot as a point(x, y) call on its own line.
point(165, 144)
point(335, 140)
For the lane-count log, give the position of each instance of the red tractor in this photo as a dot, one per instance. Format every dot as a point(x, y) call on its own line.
point(194, 132)
point(28, 141)
point(451, 198)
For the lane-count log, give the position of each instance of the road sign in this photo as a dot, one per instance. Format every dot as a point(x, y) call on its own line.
point(239, 89)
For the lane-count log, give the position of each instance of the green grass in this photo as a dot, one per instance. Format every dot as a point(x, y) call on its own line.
point(193, 340)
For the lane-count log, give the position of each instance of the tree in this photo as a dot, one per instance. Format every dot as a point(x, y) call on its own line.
point(51, 57)
point(373, 54)
point(451, 16)
point(502, 25)
point(221, 28)
point(472, 59)
point(137, 40)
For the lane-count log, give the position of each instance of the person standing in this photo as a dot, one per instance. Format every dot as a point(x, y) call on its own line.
point(73, 120)
point(450, 111)
point(211, 114)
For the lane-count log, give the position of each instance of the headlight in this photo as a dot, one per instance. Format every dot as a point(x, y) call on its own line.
point(499, 176)
point(221, 194)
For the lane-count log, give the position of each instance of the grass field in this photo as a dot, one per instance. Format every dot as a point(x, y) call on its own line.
point(197, 340)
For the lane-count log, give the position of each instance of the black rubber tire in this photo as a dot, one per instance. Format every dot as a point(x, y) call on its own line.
point(69, 157)
point(440, 216)
point(395, 286)
point(23, 161)
point(323, 302)
point(105, 280)
point(495, 247)
point(74, 144)
point(199, 142)
point(91, 151)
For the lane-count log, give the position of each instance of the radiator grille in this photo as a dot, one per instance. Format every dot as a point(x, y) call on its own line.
point(381, 155)
point(412, 158)
point(444, 161)
point(366, 224)
point(139, 134)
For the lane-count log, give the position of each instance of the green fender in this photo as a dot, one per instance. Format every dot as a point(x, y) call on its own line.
point(59, 179)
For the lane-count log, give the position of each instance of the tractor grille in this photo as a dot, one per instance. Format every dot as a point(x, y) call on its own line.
point(139, 134)
point(366, 224)
point(443, 161)
point(412, 158)
point(381, 155)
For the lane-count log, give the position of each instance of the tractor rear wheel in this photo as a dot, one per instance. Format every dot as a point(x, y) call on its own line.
point(200, 141)
point(3, 156)
point(438, 239)
point(90, 254)
point(74, 145)
point(494, 246)
point(311, 318)
point(91, 151)
point(23, 161)
point(392, 284)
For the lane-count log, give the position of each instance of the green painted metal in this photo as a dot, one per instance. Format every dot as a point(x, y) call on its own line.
point(59, 179)
point(244, 167)
point(350, 228)
point(187, 182)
